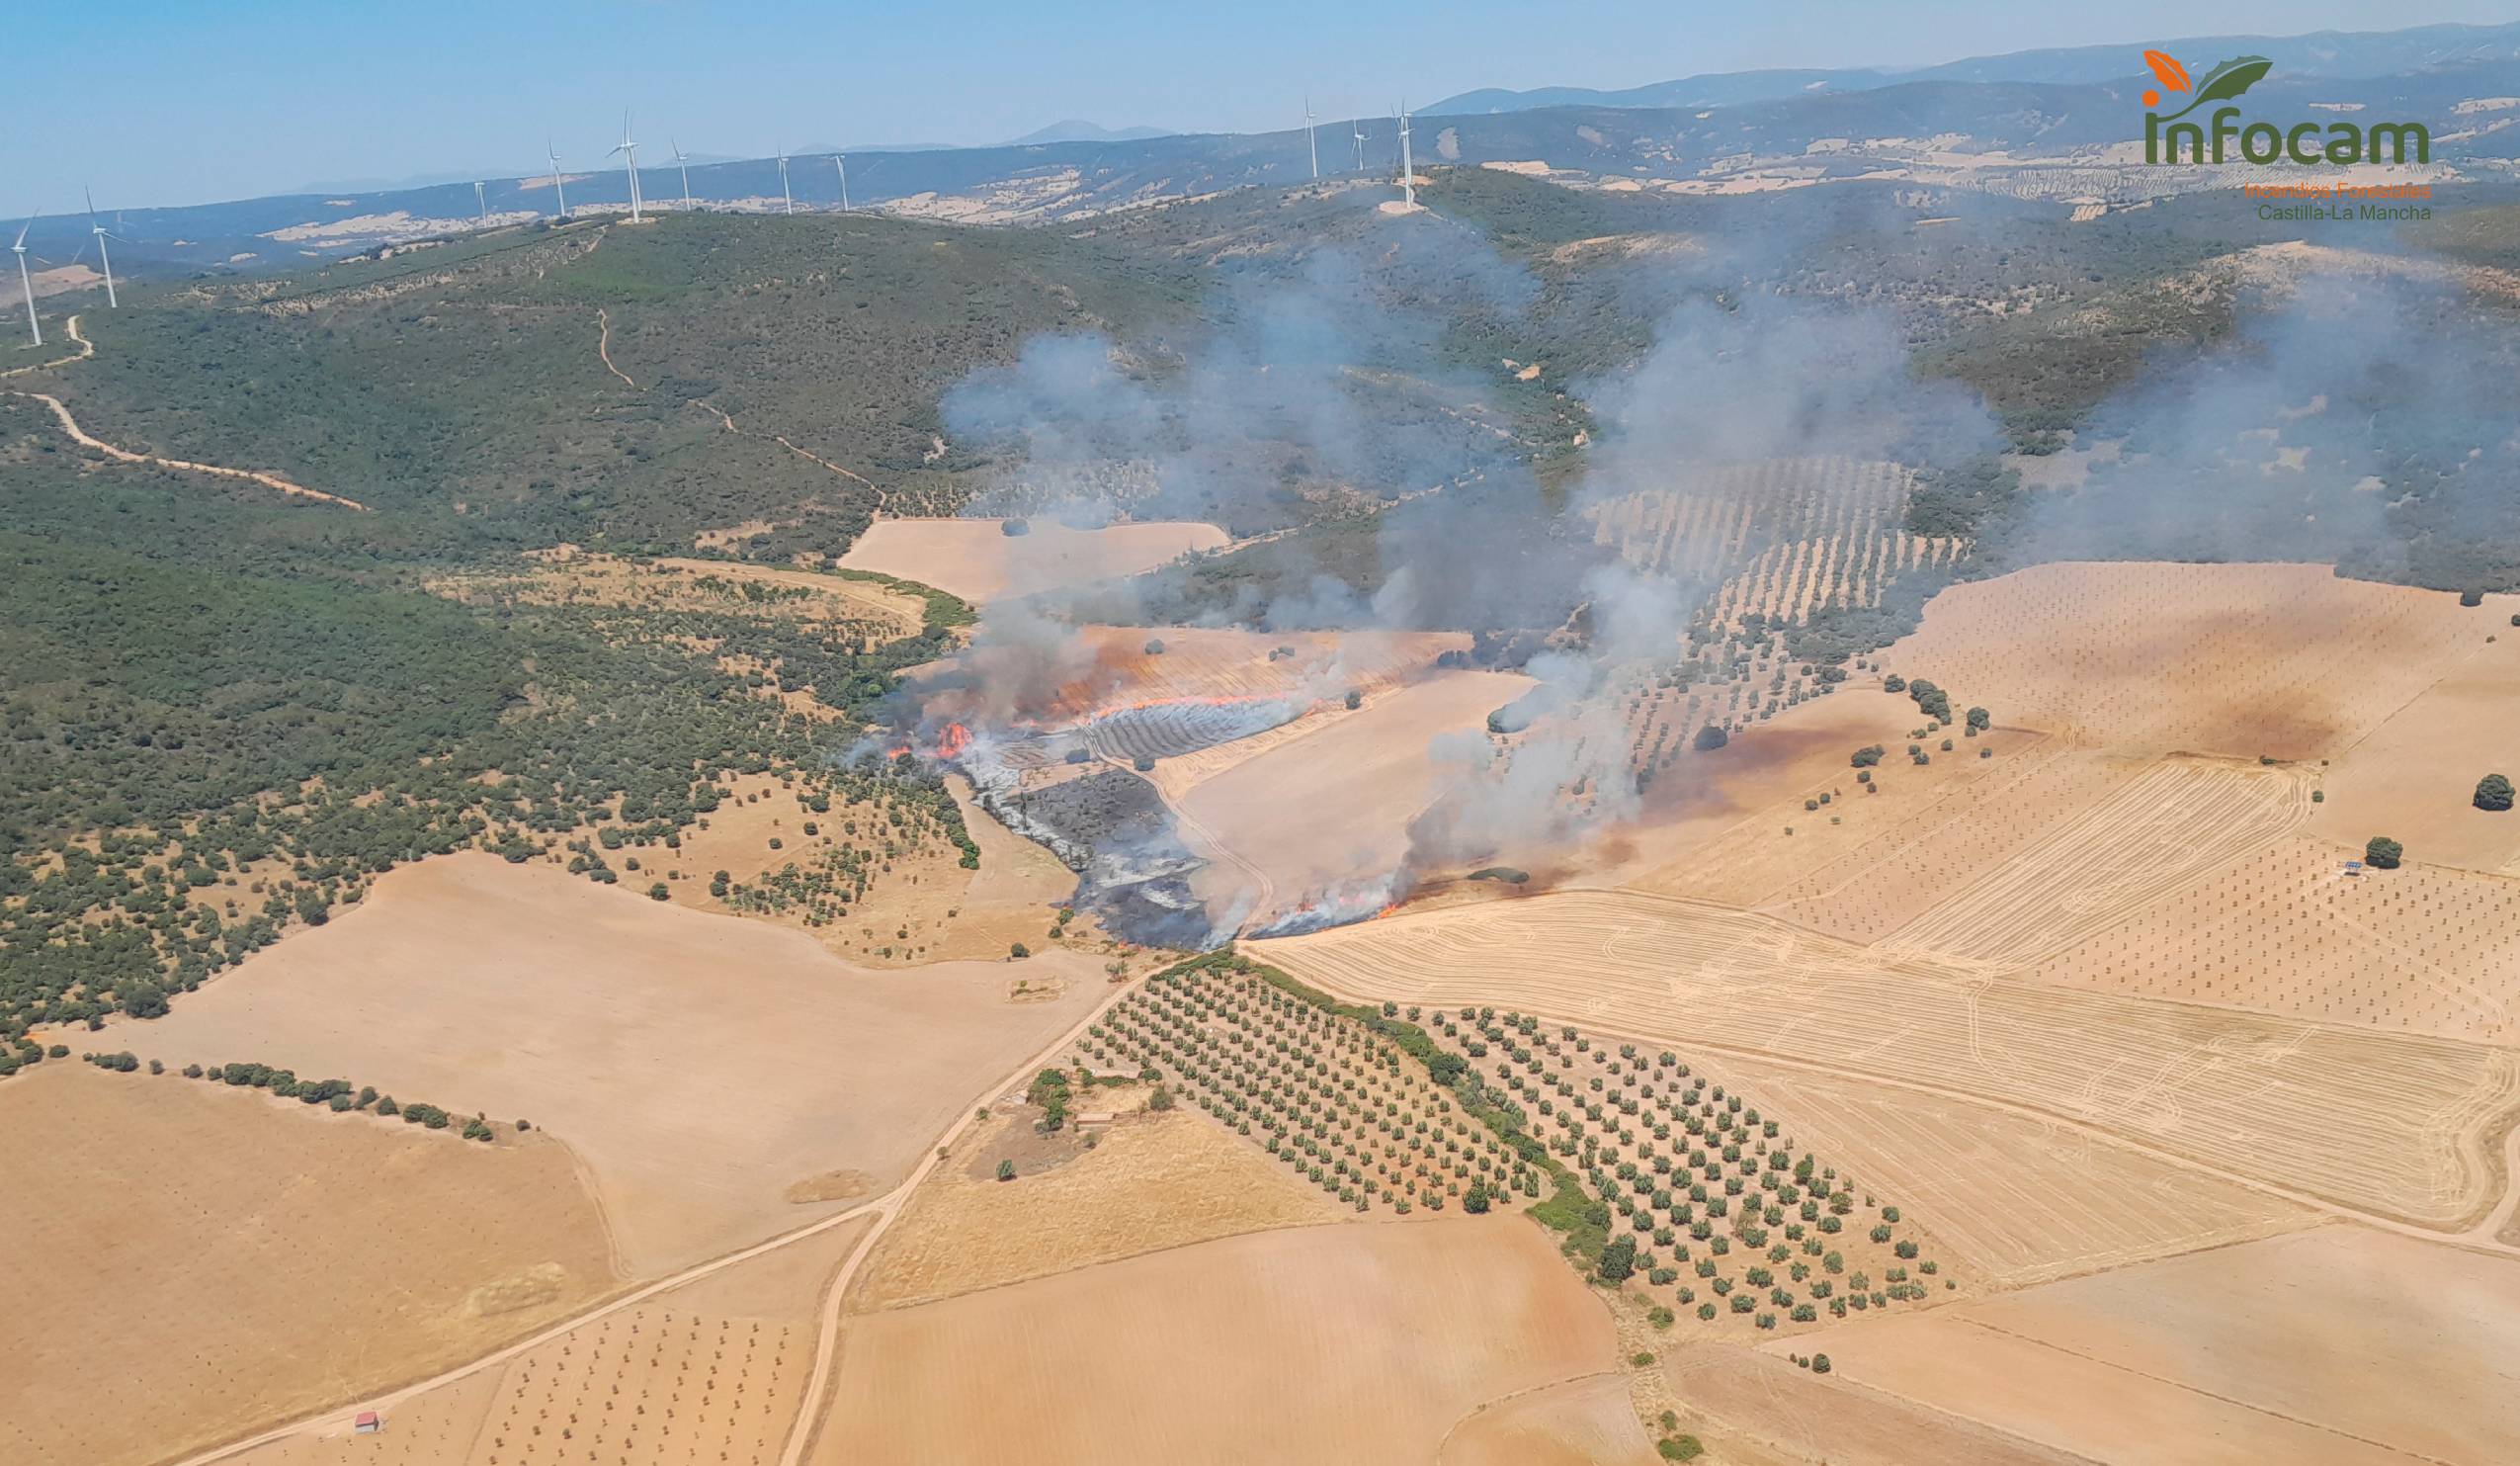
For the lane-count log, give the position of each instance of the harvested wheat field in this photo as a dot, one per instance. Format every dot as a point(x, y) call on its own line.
point(1714, 824)
point(1755, 1406)
point(1151, 1181)
point(699, 1064)
point(1908, 859)
point(2401, 1125)
point(1588, 1423)
point(2235, 659)
point(1359, 1343)
point(2174, 823)
point(188, 1262)
point(975, 559)
point(2341, 1345)
point(2414, 777)
point(2287, 930)
point(2015, 1198)
point(1335, 807)
point(1863, 865)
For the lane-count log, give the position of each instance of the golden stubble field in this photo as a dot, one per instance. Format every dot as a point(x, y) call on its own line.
point(2284, 660)
point(2341, 1345)
point(700, 1065)
point(1151, 1181)
point(1365, 1342)
point(188, 1262)
point(2403, 1126)
point(977, 561)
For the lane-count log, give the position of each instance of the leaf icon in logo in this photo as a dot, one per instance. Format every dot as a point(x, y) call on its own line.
point(2167, 67)
point(2233, 77)
point(2226, 82)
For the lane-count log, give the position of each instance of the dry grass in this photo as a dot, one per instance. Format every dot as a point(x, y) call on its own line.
point(2236, 659)
point(188, 1262)
point(2401, 1125)
point(977, 560)
point(1329, 1344)
point(2284, 931)
point(2341, 1345)
point(830, 603)
point(1152, 1181)
point(700, 1064)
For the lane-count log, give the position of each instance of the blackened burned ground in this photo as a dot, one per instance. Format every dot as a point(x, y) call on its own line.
point(1116, 833)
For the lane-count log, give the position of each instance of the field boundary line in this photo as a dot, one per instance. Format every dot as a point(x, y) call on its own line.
point(808, 1427)
point(887, 1205)
point(1510, 1396)
point(2463, 1235)
point(2184, 1388)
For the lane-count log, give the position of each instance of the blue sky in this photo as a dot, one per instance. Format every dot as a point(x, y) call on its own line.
point(164, 102)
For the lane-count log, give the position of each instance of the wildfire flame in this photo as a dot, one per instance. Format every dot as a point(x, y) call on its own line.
point(951, 742)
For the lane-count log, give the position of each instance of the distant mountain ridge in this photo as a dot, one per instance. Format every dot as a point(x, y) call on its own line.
point(2328, 54)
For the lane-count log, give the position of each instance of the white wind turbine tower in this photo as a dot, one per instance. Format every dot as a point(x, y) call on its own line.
point(482, 201)
point(24, 281)
point(107, 260)
point(629, 162)
point(683, 163)
point(783, 190)
point(1409, 173)
point(556, 186)
point(1358, 125)
point(842, 160)
point(1311, 142)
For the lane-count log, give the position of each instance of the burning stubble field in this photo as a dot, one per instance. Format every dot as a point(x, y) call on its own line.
point(188, 1262)
point(2393, 1125)
point(701, 1066)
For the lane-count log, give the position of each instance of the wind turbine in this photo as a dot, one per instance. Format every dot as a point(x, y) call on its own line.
point(482, 201)
point(1309, 141)
point(98, 229)
point(24, 281)
point(783, 190)
point(1358, 125)
point(842, 160)
point(685, 164)
point(1409, 173)
point(556, 186)
point(629, 155)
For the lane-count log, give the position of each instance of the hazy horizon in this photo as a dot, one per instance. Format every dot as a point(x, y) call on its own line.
point(154, 105)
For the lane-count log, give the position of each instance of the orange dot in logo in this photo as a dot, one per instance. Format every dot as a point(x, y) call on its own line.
point(2153, 99)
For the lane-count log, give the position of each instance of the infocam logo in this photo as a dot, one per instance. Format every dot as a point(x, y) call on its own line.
point(2167, 139)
